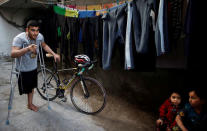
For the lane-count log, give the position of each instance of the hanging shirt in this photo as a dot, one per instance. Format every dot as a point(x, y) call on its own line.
point(59, 10)
point(71, 13)
point(84, 14)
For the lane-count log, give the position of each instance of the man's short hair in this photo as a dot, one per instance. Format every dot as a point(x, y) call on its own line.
point(32, 23)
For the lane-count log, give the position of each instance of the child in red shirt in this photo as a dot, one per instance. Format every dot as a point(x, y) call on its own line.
point(168, 111)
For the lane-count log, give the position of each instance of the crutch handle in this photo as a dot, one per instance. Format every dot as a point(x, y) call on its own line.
point(49, 55)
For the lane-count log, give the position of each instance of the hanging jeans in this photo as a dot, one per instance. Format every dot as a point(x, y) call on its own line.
point(129, 61)
point(63, 31)
point(114, 28)
point(72, 35)
point(64, 40)
point(161, 32)
point(141, 24)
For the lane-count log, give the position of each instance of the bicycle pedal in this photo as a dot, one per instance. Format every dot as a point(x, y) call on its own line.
point(61, 96)
point(64, 99)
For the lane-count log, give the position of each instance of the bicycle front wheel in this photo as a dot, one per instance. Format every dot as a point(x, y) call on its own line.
point(95, 100)
point(50, 82)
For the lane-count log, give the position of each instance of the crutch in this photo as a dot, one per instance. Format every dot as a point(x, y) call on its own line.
point(13, 72)
point(42, 67)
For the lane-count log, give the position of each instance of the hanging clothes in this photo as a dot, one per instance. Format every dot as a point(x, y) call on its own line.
point(90, 33)
point(141, 24)
point(174, 20)
point(58, 10)
point(114, 28)
point(195, 39)
point(139, 46)
point(129, 60)
point(72, 25)
point(63, 38)
point(71, 13)
point(49, 29)
point(87, 13)
point(161, 32)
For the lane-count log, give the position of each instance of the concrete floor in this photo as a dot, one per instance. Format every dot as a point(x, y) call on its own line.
point(117, 115)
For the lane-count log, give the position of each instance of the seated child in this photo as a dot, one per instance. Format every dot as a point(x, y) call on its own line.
point(168, 111)
point(193, 117)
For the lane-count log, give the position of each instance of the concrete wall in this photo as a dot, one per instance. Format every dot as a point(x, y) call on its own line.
point(147, 90)
point(7, 33)
point(12, 22)
point(176, 58)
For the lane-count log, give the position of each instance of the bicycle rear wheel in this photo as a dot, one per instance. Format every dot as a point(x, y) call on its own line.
point(96, 99)
point(51, 82)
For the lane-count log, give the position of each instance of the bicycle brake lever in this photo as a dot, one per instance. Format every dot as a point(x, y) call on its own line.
point(90, 67)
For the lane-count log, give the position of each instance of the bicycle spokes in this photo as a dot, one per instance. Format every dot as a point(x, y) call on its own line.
point(88, 95)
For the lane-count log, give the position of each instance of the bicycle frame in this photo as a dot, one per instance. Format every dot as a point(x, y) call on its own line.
point(63, 86)
point(78, 73)
point(74, 76)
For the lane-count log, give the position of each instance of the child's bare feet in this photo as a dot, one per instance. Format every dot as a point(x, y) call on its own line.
point(33, 107)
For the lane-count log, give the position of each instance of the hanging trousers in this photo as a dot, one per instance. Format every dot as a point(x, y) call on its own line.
point(72, 35)
point(141, 24)
point(90, 32)
point(129, 60)
point(114, 28)
point(161, 32)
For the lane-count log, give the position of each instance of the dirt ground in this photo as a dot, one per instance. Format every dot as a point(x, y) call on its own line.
point(121, 111)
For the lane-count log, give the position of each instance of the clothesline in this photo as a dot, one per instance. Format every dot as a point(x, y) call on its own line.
point(97, 8)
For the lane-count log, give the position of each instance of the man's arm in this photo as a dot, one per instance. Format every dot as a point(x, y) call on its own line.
point(49, 50)
point(17, 51)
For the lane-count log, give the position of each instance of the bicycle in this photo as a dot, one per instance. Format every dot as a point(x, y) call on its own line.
point(86, 93)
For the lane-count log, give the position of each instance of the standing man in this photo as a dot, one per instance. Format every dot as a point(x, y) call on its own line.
point(25, 46)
